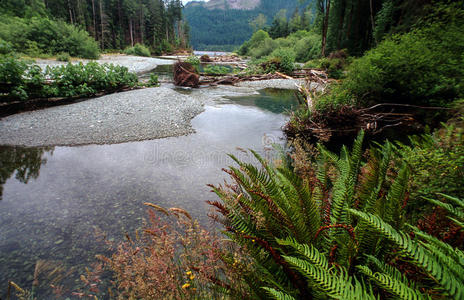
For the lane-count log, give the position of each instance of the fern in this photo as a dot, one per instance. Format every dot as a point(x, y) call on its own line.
point(417, 253)
point(277, 294)
point(392, 285)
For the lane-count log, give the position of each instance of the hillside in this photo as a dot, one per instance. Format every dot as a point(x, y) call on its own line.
point(224, 24)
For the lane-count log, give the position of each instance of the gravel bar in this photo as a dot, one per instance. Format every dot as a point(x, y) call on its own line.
point(136, 64)
point(286, 84)
point(122, 117)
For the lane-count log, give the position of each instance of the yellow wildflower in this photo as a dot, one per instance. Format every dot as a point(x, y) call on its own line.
point(188, 272)
point(192, 277)
point(186, 286)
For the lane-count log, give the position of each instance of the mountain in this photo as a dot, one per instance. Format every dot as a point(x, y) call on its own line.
point(225, 24)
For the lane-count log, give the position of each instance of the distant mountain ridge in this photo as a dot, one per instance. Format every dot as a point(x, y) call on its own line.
point(224, 24)
point(228, 4)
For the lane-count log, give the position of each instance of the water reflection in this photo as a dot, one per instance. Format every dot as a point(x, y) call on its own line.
point(275, 100)
point(24, 162)
point(54, 219)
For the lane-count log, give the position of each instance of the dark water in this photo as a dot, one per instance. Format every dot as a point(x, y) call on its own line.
point(56, 200)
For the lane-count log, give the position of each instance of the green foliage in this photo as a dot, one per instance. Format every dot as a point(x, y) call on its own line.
point(421, 67)
point(305, 45)
point(153, 81)
point(85, 80)
point(63, 57)
point(5, 47)
point(40, 35)
point(216, 69)
point(285, 59)
point(337, 230)
point(23, 81)
point(231, 27)
point(194, 61)
point(138, 50)
point(437, 162)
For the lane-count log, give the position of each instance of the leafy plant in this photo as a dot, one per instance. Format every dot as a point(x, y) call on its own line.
point(153, 81)
point(41, 35)
point(63, 57)
point(194, 61)
point(337, 231)
point(216, 69)
point(21, 80)
point(421, 67)
point(138, 50)
point(436, 161)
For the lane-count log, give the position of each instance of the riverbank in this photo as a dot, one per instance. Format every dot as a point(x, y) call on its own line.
point(136, 64)
point(122, 117)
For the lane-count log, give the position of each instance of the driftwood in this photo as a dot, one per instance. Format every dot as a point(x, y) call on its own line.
point(341, 124)
point(233, 79)
point(186, 75)
point(226, 58)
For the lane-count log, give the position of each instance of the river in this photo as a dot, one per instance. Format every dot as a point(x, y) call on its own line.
point(56, 201)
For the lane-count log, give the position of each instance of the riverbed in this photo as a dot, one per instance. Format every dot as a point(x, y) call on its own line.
point(57, 200)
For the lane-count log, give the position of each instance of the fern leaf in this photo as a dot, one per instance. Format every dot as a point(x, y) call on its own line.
point(418, 254)
point(392, 285)
point(277, 294)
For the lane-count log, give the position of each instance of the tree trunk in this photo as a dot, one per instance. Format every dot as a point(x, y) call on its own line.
point(325, 27)
point(141, 27)
point(130, 32)
point(102, 26)
point(94, 20)
point(70, 12)
point(372, 17)
point(341, 23)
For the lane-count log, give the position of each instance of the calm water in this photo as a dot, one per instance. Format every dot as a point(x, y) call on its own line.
point(55, 200)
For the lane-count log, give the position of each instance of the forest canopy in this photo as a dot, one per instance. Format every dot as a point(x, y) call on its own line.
point(81, 27)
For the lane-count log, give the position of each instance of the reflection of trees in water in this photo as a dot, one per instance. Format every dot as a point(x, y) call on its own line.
point(274, 100)
point(25, 162)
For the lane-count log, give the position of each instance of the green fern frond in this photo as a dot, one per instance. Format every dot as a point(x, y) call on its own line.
point(277, 294)
point(308, 252)
point(418, 254)
point(320, 278)
point(396, 196)
point(448, 207)
point(454, 200)
point(391, 271)
point(392, 285)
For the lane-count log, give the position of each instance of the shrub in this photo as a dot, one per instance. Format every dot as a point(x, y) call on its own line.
point(86, 80)
point(216, 69)
point(21, 80)
point(284, 59)
point(421, 67)
point(263, 49)
point(194, 61)
point(437, 162)
point(11, 77)
point(138, 50)
point(63, 57)
point(153, 81)
point(5, 47)
point(40, 35)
